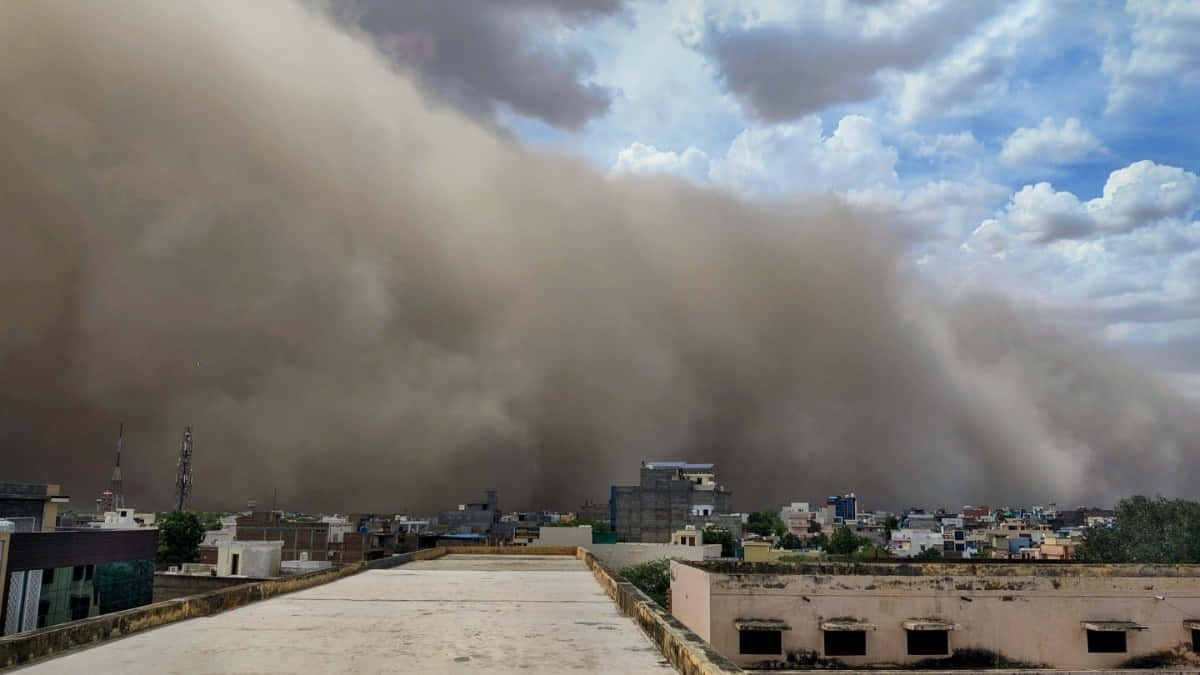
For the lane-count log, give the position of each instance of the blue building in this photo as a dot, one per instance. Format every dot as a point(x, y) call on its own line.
point(845, 507)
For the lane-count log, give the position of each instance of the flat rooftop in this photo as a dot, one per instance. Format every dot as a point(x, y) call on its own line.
point(947, 568)
point(456, 614)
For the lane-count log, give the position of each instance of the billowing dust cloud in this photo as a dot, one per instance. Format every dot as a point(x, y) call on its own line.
point(237, 216)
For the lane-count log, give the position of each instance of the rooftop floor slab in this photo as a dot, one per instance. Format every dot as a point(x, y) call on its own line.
point(456, 614)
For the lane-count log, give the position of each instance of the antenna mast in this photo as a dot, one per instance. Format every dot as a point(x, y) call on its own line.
point(183, 478)
point(116, 485)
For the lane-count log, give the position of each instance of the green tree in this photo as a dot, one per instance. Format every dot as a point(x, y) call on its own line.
point(179, 536)
point(723, 537)
point(1146, 531)
point(819, 540)
point(872, 552)
point(1101, 545)
point(890, 525)
point(790, 541)
point(765, 523)
point(598, 526)
point(929, 554)
point(653, 578)
point(844, 542)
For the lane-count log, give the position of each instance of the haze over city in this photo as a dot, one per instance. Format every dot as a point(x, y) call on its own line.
point(363, 254)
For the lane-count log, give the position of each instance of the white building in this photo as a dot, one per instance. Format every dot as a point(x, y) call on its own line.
point(907, 542)
point(248, 558)
point(125, 519)
point(409, 525)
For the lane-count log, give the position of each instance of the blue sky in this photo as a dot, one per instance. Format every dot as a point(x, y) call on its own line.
point(1044, 148)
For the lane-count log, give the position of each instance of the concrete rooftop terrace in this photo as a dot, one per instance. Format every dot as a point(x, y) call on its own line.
point(456, 614)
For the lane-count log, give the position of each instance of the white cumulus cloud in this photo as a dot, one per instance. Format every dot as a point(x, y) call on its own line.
point(1140, 195)
point(789, 157)
point(961, 144)
point(1163, 51)
point(1050, 142)
point(779, 159)
point(639, 158)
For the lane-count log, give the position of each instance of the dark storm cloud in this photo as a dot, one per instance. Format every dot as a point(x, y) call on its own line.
point(478, 55)
point(240, 218)
point(785, 71)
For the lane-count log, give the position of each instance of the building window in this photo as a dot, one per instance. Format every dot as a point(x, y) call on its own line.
point(89, 572)
point(1106, 641)
point(80, 604)
point(47, 576)
point(43, 613)
point(928, 642)
point(760, 642)
point(845, 643)
point(77, 573)
point(1195, 639)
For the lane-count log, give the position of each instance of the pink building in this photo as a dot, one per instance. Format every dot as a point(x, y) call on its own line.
point(896, 614)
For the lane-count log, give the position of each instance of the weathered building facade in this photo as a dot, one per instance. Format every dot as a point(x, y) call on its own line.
point(54, 577)
point(942, 614)
point(31, 507)
point(670, 496)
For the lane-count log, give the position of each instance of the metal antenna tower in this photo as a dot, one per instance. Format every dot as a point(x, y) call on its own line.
point(116, 485)
point(183, 478)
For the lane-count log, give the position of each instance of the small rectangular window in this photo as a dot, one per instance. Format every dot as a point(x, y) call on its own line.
point(1196, 640)
point(77, 573)
point(1106, 641)
point(47, 576)
point(89, 572)
point(928, 642)
point(760, 642)
point(80, 604)
point(845, 643)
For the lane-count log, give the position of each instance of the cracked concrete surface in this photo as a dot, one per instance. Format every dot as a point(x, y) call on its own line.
point(456, 614)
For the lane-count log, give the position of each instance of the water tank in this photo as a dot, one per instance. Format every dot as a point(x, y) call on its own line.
point(7, 527)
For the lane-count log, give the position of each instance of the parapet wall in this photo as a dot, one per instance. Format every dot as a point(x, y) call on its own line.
point(963, 568)
point(25, 647)
point(170, 586)
point(681, 647)
point(513, 550)
point(625, 554)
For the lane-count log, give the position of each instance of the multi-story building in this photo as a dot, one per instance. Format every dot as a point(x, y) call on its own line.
point(845, 507)
point(31, 507)
point(334, 539)
point(798, 518)
point(593, 511)
point(53, 577)
point(472, 517)
point(907, 543)
point(670, 496)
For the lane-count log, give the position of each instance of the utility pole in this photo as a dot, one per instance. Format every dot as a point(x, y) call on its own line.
point(183, 478)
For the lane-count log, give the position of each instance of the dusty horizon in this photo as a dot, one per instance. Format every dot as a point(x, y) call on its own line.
point(244, 220)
